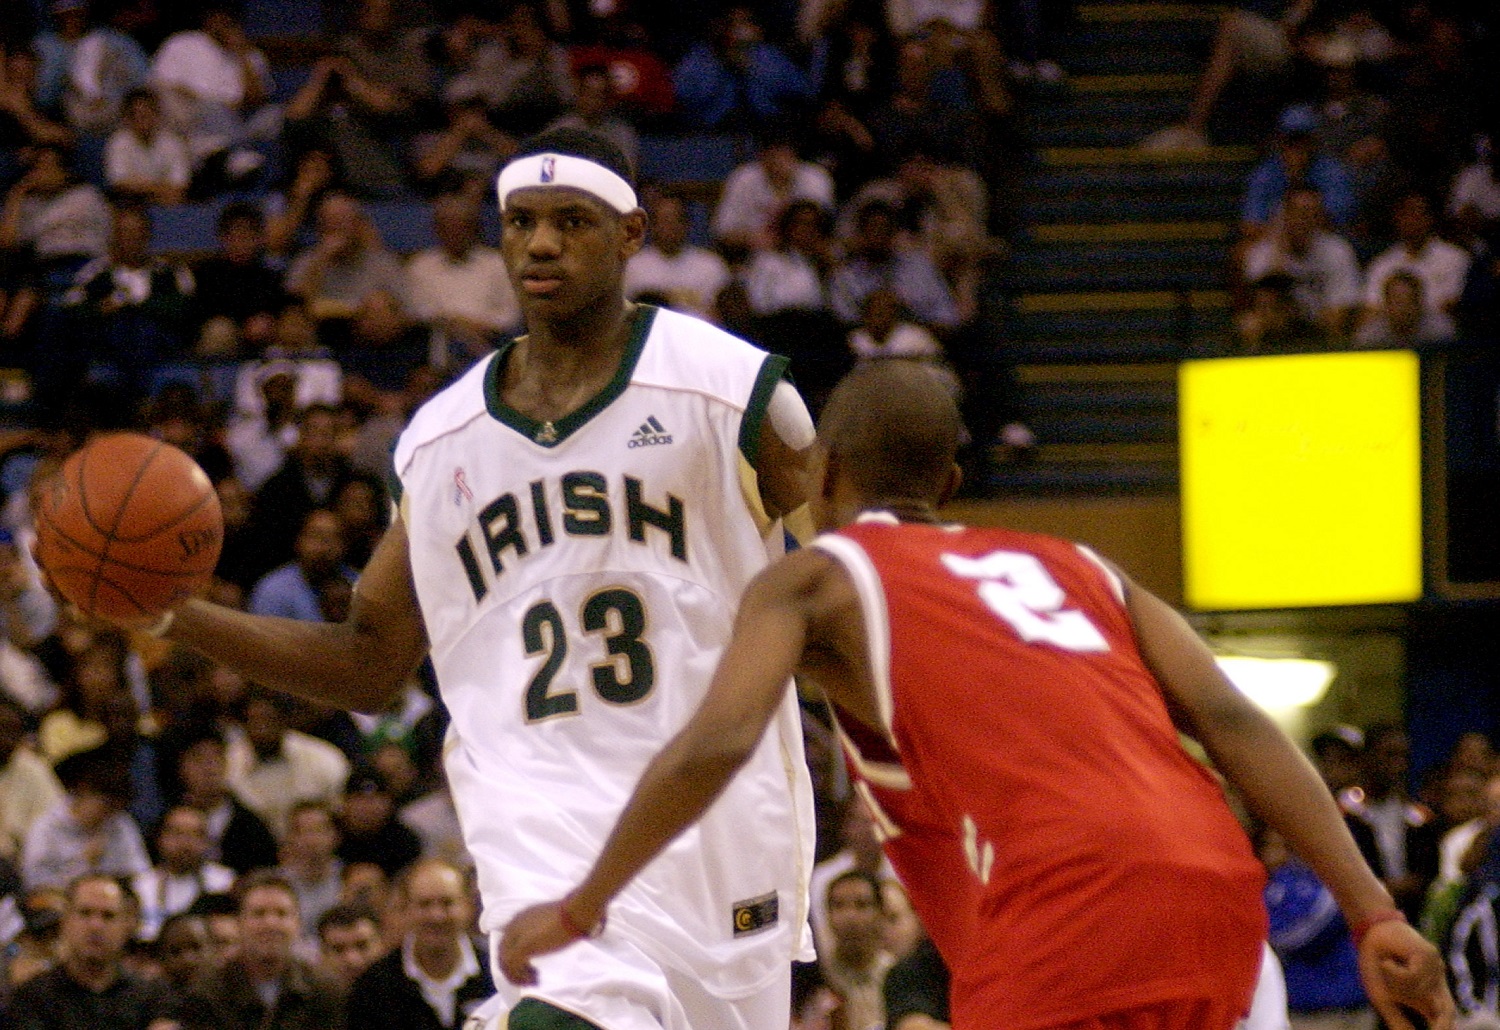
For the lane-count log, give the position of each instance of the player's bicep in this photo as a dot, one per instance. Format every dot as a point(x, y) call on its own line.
point(1199, 695)
point(384, 608)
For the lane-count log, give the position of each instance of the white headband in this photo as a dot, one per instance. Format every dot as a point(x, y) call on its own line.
point(566, 170)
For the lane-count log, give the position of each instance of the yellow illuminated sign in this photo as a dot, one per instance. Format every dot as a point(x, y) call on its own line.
point(1301, 480)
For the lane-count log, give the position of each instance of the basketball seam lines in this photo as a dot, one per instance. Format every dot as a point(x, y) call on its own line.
point(132, 566)
point(109, 537)
point(175, 520)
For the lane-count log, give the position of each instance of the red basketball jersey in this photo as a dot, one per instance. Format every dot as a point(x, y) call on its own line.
point(1067, 856)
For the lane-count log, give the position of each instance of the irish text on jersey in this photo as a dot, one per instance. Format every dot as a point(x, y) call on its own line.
point(511, 527)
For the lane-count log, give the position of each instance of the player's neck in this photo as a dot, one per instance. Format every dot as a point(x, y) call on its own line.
point(596, 332)
point(906, 509)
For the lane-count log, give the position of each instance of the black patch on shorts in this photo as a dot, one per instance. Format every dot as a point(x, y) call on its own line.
point(756, 914)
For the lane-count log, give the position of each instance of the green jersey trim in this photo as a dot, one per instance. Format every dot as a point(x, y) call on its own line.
point(550, 434)
point(772, 372)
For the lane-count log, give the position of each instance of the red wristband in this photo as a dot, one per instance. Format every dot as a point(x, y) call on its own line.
point(1365, 925)
point(571, 925)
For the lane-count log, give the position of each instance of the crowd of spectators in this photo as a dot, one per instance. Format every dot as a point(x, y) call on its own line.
point(179, 846)
point(1374, 216)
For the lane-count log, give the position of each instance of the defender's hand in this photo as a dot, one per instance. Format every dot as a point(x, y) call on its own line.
point(1401, 970)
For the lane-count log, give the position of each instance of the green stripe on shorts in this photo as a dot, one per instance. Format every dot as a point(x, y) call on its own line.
point(535, 1014)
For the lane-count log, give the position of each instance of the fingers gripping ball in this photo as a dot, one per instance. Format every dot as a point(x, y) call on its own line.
point(128, 527)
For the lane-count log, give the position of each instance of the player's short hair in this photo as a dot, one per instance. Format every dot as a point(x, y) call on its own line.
point(894, 428)
point(591, 146)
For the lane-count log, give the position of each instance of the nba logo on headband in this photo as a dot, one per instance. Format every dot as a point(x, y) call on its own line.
point(549, 169)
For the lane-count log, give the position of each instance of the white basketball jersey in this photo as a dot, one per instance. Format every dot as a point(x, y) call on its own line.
point(578, 580)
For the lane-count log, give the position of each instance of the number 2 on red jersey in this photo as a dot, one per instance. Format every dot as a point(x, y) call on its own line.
point(1018, 588)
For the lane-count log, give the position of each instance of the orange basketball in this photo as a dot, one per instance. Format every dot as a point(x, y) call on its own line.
point(128, 527)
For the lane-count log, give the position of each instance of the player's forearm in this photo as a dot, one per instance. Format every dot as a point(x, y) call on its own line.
point(1281, 787)
point(330, 663)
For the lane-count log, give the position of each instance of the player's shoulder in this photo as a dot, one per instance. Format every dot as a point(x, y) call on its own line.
point(449, 409)
point(686, 352)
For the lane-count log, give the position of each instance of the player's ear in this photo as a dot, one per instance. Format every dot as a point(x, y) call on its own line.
point(950, 488)
point(632, 232)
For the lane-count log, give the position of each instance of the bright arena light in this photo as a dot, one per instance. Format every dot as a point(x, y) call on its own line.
point(1279, 684)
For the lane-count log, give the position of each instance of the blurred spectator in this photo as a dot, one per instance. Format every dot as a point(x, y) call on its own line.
point(391, 56)
point(88, 831)
point(736, 80)
point(815, 1006)
point(642, 84)
point(309, 478)
point(287, 212)
point(916, 990)
point(1474, 201)
point(384, 348)
point(28, 787)
point(292, 590)
point(54, 47)
point(942, 209)
point(1256, 37)
point(1398, 838)
point(468, 150)
point(859, 849)
point(134, 306)
point(1312, 941)
point(902, 930)
point(347, 264)
point(107, 63)
point(144, 160)
point(1404, 319)
point(238, 837)
point(593, 110)
point(264, 986)
point(689, 277)
point(362, 505)
point(857, 962)
point(756, 193)
point(90, 988)
point(238, 292)
point(221, 918)
point(348, 943)
point(793, 273)
point(436, 977)
point(22, 122)
point(370, 831)
point(1433, 109)
point(309, 862)
point(874, 261)
point(184, 951)
point(1274, 322)
point(35, 947)
point(460, 287)
point(353, 119)
point(1419, 250)
point(260, 438)
point(1297, 162)
point(95, 673)
point(431, 816)
point(1337, 754)
point(28, 613)
point(884, 331)
point(65, 222)
point(1321, 263)
point(524, 79)
point(927, 110)
point(125, 748)
point(213, 86)
point(273, 767)
point(183, 871)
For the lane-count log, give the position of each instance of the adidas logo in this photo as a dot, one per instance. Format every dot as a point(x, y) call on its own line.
point(651, 434)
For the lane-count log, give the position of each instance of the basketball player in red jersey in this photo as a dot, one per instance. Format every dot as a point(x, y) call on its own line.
point(1009, 706)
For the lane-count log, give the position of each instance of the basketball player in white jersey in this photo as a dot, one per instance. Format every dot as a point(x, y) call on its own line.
point(577, 517)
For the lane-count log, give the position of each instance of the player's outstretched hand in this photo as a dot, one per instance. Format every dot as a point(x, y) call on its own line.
point(534, 931)
point(1402, 970)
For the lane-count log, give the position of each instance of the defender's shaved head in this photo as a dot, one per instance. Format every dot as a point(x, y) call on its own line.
point(893, 429)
